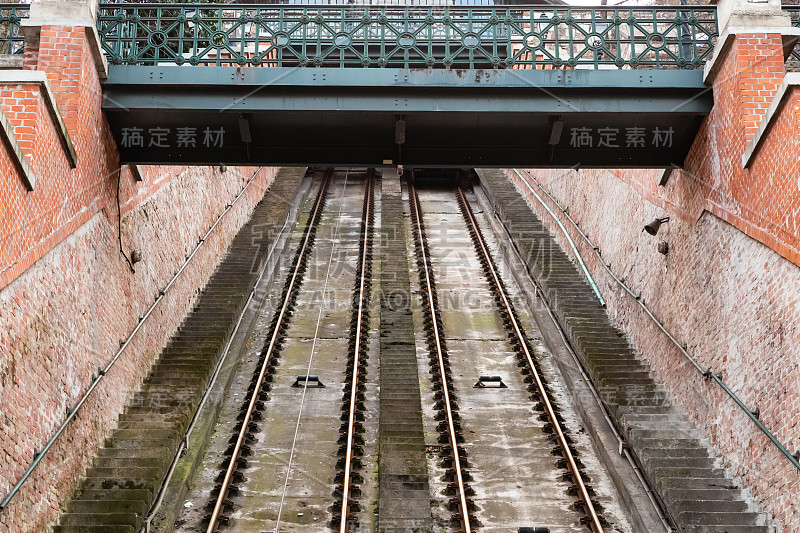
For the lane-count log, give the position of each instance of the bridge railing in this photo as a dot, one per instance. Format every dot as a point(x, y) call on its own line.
point(794, 12)
point(11, 40)
point(458, 37)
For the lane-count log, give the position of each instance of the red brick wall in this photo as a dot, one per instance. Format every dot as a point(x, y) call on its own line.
point(730, 285)
point(67, 296)
point(763, 201)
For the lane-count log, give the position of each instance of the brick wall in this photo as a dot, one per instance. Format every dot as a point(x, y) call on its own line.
point(64, 317)
point(67, 296)
point(730, 285)
point(731, 299)
point(763, 201)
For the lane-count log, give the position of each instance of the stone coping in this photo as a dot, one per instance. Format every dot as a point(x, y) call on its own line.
point(790, 81)
point(15, 151)
point(36, 77)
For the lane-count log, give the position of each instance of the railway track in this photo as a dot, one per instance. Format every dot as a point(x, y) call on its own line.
point(449, 428)
point(257, 439)
point(347, 478)
point(539, 389)
point(258, 391)
point(465, 512)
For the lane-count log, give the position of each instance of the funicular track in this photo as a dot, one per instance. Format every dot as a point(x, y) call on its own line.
point(454, 452)
point(538, 387)
point(454, 456)
point(346, 491)
point(258, 391)
point(346, 509)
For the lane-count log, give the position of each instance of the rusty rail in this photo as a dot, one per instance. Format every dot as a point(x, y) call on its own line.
point(427, 289)
point(359, 330)
point(497, 286)
point(289, 294)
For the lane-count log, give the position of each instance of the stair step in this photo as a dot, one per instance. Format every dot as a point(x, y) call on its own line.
point(94, 529)
point(100, 519)
point(721, 506)
point(139, 507)
point(718, 519)
point(130, 462)
point(143, 495)
point(726, 529)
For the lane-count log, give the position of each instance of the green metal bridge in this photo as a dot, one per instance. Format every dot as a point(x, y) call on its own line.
point(459, 37)
point(425, 85)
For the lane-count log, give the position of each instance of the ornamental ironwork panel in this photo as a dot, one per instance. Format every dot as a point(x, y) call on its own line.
point(794, 12)
point(458, 37)
point(11, 40)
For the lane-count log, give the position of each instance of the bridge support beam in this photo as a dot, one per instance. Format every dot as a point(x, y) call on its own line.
point(330, 116)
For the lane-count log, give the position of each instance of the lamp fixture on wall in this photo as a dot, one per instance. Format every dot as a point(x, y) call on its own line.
point(652, 227)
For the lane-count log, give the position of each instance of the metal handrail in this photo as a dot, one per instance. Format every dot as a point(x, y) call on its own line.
point(441, 36)
point(578, 257)
point(707, 373)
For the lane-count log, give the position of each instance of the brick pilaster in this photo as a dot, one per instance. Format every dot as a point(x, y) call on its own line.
point(760, 71)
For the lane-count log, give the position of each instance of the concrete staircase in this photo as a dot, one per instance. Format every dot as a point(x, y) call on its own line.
point(404, 498)
point(695, 491)
point(118, 489)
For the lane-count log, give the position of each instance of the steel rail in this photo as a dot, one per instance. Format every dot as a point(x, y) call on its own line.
point(623, 445)
point(595, 524)
point(276, 332)
point(343, 528)
point(124, 346)
point(414, 201)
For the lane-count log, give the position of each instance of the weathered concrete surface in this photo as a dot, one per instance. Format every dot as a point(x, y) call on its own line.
point(127, 472)
point(515, 477)
point(192, 457)
point(10, 61)
point(309, 487)
point(661, 435)
point(404, 503)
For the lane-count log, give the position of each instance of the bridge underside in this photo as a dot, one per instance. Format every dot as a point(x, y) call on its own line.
point(374, 117)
